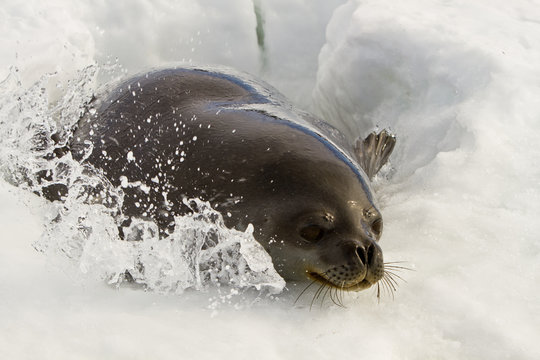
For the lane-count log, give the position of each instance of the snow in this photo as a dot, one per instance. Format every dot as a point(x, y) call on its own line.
point(458, 82)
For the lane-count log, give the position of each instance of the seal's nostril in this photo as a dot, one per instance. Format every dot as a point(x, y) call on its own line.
point(370, 253)
point(366, 254)
point(361, 254)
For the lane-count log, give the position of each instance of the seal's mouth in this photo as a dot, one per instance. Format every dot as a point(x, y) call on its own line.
point(360, 285)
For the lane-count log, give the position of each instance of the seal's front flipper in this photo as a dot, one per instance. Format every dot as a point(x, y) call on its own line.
point(373, 152)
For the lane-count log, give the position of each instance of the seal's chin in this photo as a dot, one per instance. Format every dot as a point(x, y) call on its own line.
point(360, 285)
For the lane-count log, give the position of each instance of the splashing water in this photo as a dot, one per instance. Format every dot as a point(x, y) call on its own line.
point(83, 233)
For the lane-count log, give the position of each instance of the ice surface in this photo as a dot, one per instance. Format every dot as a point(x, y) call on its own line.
point(458, 82)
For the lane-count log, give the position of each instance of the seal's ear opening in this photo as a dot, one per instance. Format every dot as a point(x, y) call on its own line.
point(373, 152)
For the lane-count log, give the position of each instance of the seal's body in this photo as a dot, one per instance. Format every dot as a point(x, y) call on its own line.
point(227, 139)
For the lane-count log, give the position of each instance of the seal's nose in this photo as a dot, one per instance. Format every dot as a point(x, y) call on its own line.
point(352, 264)
point(366, 252)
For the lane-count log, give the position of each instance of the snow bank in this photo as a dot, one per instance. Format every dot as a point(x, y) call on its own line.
point(455, 81)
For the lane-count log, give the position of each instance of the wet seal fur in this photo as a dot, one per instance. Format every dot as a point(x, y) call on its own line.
point(226, 138)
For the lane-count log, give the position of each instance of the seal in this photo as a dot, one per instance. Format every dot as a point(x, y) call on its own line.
point(235, 142)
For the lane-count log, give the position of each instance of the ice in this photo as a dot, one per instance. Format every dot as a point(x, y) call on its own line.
point(457, 82)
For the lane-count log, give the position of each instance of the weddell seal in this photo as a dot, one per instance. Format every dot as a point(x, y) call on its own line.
point(228, 139)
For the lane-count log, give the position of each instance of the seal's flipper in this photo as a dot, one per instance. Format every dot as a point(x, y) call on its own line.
point(373, 152)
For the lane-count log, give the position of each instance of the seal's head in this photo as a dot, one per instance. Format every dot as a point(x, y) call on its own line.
point(346, 254)
point(323, 225)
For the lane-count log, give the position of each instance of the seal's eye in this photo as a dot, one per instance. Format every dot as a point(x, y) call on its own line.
point(376, 227)
point(312, 233)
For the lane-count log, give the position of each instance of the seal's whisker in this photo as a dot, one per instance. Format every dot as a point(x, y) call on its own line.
point(341, 292)
point(388, 286)
point(393, 275)
point(397, 268)
point(321, 293)
point(392, 291)
point(316, 295)
point(391, 281)
point(339, 295)
point(320, 290)
point(385, 285)
point(392, 265)
point(303, 291)
point(328, 288)
point(313, 299)
point(380, 289)
point(333, 296)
